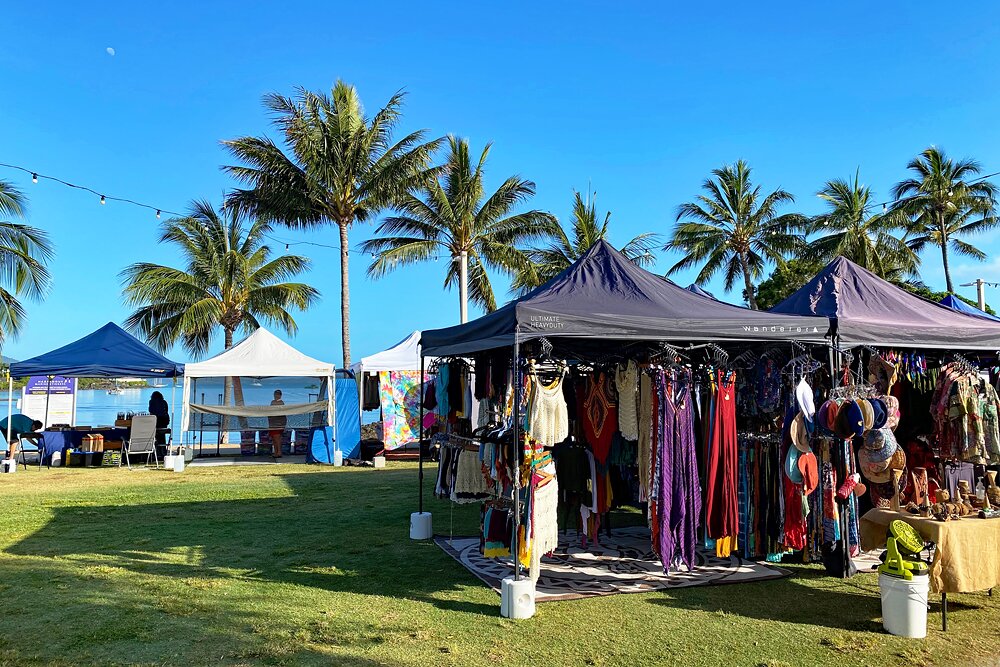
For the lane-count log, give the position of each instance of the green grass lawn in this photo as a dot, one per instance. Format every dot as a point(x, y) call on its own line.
point(303, 565)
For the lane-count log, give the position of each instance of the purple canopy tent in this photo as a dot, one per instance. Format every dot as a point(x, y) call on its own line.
point(867, 310)
point(604, 296)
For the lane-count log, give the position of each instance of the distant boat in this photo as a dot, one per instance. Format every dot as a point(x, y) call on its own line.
point(158, 385)
point(116, 390)
point(257, 383)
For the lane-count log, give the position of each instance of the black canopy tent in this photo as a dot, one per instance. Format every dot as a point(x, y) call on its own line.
point(867, 310)
point(604, 297)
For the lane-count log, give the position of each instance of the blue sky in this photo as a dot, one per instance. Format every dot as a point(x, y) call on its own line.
point(638, 102)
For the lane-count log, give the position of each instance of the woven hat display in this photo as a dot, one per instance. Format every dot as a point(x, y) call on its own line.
point(891, 411)
point(880, 444)
point(876, 472)
point(800, 433)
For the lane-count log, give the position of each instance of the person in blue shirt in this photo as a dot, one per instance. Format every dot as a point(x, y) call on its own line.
point(21, 426)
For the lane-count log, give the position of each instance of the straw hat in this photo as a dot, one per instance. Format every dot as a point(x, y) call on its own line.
point(809, 468)
point(891, 411)
point(880, 444)
point(799, 433)
point(876, 472)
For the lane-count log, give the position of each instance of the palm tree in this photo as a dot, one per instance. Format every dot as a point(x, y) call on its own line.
point(452, 215)
point(945, 201)
point(229, 281)
point(732, 228)
point(848, 229)
point(549, 261)
point(336, 167)
point(24, 252)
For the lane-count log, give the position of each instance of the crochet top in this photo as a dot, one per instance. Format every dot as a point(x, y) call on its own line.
point(627, 384)
point(548, 420)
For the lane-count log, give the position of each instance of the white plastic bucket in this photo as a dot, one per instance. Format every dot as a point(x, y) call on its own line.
point(178, 463)
point(904, 605)
point(338, 457)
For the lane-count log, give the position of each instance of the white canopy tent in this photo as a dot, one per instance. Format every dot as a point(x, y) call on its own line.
point(403, 356)
point(261, 354)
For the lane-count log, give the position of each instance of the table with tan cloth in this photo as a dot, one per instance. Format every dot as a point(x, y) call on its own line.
point(967, 554)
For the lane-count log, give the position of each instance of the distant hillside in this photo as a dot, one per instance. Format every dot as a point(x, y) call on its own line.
point(8, 360)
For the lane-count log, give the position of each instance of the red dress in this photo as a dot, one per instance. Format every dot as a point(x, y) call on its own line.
point(599, 416)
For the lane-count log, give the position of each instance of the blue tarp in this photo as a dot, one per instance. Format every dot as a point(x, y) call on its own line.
point(348, 417)
point(955, 303)
point(108, 352)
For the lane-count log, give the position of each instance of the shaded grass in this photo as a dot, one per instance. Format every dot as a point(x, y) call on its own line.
point(273, 565)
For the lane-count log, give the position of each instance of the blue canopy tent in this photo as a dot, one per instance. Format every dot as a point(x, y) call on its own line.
point(108, 352)
point(957, 304)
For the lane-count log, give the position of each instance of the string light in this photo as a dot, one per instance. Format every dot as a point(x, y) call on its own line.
point(104, 199)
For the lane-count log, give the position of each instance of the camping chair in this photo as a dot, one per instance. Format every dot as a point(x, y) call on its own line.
point(141, 440)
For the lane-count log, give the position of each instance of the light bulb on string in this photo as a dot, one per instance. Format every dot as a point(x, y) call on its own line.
point(34, 178)
point(885, 208)
point(102, 200)
point(157, 214)
point(286, 246)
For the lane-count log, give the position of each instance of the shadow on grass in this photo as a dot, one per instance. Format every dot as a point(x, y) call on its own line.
point(344, 532)
point(829, 602)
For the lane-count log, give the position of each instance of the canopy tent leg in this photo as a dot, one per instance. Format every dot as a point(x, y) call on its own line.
point(518, 455)
point(10, 408)
point(420, 521)
point(173, 403)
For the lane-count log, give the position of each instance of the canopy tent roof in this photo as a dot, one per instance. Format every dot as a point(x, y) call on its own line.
point(403, 356)
point(261, 354)
point(956, 304)
point(108, 352)
point(870, 310)
point(605, 296)
point(696, 289)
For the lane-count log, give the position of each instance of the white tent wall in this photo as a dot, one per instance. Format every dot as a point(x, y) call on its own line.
point(261, 354)
point(403, 356)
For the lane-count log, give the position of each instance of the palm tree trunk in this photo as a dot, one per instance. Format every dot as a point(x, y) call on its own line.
point(745, 268)
point(463, 287)
point(944, 262)
point(227, 387)
point(345, 294)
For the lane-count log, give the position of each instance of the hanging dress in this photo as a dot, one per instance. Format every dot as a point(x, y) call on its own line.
point(599, 415)
point(722, 507)
point(548, 419)
point(627, 384)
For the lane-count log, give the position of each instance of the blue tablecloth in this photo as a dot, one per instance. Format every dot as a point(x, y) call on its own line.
point(61, 441)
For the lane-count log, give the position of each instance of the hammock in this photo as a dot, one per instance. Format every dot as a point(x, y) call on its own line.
point(261, 410)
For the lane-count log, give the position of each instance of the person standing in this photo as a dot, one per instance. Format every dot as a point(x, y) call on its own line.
point(159, 407)
point(276, 425)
